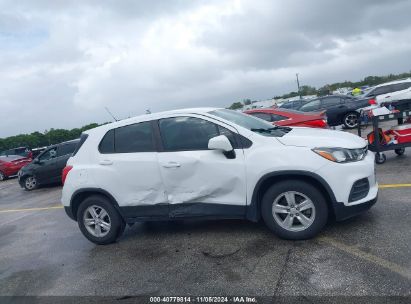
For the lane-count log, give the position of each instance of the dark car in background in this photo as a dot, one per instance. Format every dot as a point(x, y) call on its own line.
point(293, 104)
point(10, 165)
point(48, 166)
point(340, 109)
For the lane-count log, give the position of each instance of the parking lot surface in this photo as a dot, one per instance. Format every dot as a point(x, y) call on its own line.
point(44, 253)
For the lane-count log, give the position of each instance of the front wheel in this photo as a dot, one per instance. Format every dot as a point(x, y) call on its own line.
point(380, 158)
point(294, 210)
point(350, 120)
point(30, 183)
point(99, 221)
point(2, 176)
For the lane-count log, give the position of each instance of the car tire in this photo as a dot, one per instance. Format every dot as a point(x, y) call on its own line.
point(350, 120)
point(30, 183)
point(296, 223)
point(110, 223)
point(3, 176)
point(399, 151)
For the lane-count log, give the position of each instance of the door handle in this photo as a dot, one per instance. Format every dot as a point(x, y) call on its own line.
point(106, 162)
point(171, 165)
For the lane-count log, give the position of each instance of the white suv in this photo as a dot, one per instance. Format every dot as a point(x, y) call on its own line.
point(215, 164)
point(390, 91)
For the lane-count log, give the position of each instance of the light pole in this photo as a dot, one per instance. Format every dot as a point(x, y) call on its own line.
point(298, 85)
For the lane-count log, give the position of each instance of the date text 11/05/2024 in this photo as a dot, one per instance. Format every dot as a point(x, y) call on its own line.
point(201, 299)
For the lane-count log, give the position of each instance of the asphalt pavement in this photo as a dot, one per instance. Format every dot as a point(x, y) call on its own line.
point(42, 251)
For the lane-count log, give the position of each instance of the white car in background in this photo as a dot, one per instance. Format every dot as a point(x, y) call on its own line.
point(390, 91)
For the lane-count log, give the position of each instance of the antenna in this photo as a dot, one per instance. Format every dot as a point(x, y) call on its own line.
point(111, 114)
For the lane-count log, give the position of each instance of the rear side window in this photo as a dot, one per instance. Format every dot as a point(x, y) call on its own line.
point(380, 90)
point(66, 149)
point(107, 143)
point(331, 101)
point(311, 106)
point(129, 139)
point(83, 138)
point(400, 86)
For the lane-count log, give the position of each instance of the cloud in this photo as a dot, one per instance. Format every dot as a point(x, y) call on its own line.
point(62, 62)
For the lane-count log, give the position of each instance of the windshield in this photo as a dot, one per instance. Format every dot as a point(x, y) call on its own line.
point(251, 123)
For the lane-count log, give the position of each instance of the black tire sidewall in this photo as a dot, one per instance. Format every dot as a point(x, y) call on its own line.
point(380, 160)
point(117, 222)
point(400, 151)
point(321, 209)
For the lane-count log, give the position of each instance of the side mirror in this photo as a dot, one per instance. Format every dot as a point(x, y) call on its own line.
point(222, 143)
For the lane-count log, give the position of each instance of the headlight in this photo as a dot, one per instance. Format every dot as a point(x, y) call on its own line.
point(341, 155)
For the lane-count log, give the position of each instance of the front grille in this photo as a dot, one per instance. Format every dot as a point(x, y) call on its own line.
point(359, 190)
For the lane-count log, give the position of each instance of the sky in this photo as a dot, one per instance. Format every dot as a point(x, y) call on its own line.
point(63, 62)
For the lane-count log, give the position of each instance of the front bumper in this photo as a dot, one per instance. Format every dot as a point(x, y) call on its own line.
point(342, 177)
point(20, 178)
point(343, 212)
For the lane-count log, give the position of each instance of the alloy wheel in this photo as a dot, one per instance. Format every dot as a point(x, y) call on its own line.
point(30, 183)
point(97, 221)
point(2, 176)
point(351, 120)
point(293, 211)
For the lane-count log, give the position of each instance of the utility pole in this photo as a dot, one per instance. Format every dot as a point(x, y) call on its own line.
point(298, 86)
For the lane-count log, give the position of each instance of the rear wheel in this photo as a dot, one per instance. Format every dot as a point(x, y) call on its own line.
point(350, 120)
point(399, 151)
point(30, 183)
point(99, 221)
point(294, 210)
point(2, 176)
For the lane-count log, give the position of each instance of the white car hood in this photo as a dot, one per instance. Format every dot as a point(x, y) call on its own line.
point(316, 138)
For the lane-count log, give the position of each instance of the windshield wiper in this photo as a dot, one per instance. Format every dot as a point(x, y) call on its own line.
point(261, 130)
point(268, 130)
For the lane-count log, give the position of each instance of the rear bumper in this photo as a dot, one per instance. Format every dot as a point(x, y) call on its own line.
point(343, 212)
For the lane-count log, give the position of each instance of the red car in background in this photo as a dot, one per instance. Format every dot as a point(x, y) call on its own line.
point(293, 118)
point(11, 164)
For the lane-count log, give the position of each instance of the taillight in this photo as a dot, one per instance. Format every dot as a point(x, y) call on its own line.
point(319, 123)
point(66, 170)
point(372, 101)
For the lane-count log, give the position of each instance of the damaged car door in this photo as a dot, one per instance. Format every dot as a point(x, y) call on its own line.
point(128, 169)
point(201, 182)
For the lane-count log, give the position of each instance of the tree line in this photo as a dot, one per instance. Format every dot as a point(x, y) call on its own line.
point(38, 139)
point(326, 89)
point(55, 136)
